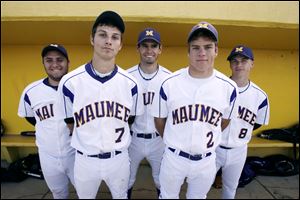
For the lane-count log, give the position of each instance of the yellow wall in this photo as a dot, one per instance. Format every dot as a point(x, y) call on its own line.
point(277, 72)
point(254, 13)
point(271, 28)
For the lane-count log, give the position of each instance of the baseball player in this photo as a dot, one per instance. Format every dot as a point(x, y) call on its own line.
point(194, 103)
point(146, 142)
point(38, 104)
point(97, 99)
point(253, 111)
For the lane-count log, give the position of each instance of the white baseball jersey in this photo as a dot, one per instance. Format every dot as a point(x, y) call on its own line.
point(150, 87)
point(253, 108)
point(152, 148)
point(100, 108)
point(39, 100)
point(194, 109)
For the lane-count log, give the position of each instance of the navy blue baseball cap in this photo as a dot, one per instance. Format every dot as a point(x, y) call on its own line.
point(242, 51)
point(55, 47)
point(205, 27)
point(110, 18)
point(149, 34)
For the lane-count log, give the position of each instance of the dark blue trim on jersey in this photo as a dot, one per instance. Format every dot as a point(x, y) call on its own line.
point(232, 99)
point(68, 93)
point(64, 97)
point(233, 95)
point(46, 82)
point(134, 90)
point(26, 99)
point(148, 79)
point(225, 81)
point(163, 94)
point(128, 77)
point(170, 78)
point(263, 104)
point(167, 72)
point(246, 88)
point(88, 68)
point(133, 70)
point(28, 96)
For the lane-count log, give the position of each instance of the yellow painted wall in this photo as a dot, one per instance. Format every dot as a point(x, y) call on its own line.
point(277, 72)
point(253, 13)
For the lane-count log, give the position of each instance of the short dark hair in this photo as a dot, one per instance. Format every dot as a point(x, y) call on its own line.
point(109, 18)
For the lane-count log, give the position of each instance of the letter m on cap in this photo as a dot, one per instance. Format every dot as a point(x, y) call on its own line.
point(149, 33)
point(203, 26)
point(239, 49)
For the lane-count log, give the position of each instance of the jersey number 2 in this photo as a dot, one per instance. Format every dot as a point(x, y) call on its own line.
point(210, 141)
point(121, 131)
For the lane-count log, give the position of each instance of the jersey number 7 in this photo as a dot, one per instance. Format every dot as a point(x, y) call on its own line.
point(121, 131)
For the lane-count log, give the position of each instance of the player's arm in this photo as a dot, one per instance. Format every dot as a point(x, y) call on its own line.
point(31, 120)
point(70, 124)
point(224, 123)
point(131, 120)
point(160, 125)
point(256, 126)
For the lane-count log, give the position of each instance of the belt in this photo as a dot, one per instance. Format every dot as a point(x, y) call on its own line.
point(145, 135)
point(223, 147)
point(189, 156)
point(102, 155)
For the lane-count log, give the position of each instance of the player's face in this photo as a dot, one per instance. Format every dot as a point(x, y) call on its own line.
point(149, 51)
point(107, 42)
point(241, 66)
point(56, 65)
point(202, 54)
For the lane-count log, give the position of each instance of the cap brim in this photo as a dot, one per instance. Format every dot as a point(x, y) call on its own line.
point(238, 54)
point(202, 30)
point(153, 39)
point(52, 48)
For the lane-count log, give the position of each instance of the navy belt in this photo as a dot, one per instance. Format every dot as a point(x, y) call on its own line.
point(102, 155)
point(145, 135)
point(189, 156)
point(223, 147)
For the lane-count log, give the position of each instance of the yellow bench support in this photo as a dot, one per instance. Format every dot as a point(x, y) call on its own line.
point(260, 142)
point(10, 145)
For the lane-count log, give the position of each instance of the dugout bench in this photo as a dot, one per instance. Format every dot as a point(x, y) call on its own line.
point(12, 146)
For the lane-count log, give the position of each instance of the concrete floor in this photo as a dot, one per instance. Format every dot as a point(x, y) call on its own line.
point(262, 187)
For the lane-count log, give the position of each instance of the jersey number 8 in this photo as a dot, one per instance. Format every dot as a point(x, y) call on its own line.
point(243, 133)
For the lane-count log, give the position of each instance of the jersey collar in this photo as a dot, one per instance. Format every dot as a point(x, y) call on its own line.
point(88, 68)
point(147, 79)
point(46, 82)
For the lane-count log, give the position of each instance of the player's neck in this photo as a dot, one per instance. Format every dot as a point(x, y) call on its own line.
point(103, 66)
point(52, 82)
point(193, 72)
point(148, 68)
point(240, 81)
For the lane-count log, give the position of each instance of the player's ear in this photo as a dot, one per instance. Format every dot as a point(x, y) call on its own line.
point(92, 40)
point(121, 45)
point(216, 49)
point(252, 64)
point(160, 49)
